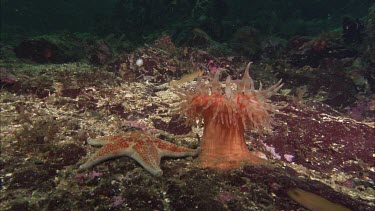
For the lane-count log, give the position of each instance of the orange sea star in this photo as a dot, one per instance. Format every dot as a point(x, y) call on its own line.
point(142, 147)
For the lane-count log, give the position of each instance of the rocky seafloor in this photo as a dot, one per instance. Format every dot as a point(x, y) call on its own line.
point(49, 110)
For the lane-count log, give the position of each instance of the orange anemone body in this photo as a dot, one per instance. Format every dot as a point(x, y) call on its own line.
point(226, 115)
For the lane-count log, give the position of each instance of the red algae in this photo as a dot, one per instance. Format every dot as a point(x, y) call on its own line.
point(226, 114)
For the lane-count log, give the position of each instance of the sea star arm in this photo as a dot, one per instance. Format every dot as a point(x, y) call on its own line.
point(167, 149)
point(107, 152)
point(104, 140)
point(147, 155)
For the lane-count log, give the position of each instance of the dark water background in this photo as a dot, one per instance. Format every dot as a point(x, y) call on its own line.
point(143, 20)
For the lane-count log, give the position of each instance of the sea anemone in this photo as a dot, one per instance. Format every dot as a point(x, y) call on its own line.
point(226, 114)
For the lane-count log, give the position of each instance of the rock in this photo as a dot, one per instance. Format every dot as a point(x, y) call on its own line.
point(99, 53)
point(6, 78)
point(246, 42)
point(321, 139)
point(301, 52)
point(352, 30)
point(45, 49)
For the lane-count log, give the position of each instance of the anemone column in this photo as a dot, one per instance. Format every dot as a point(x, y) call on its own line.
point(223, 145)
